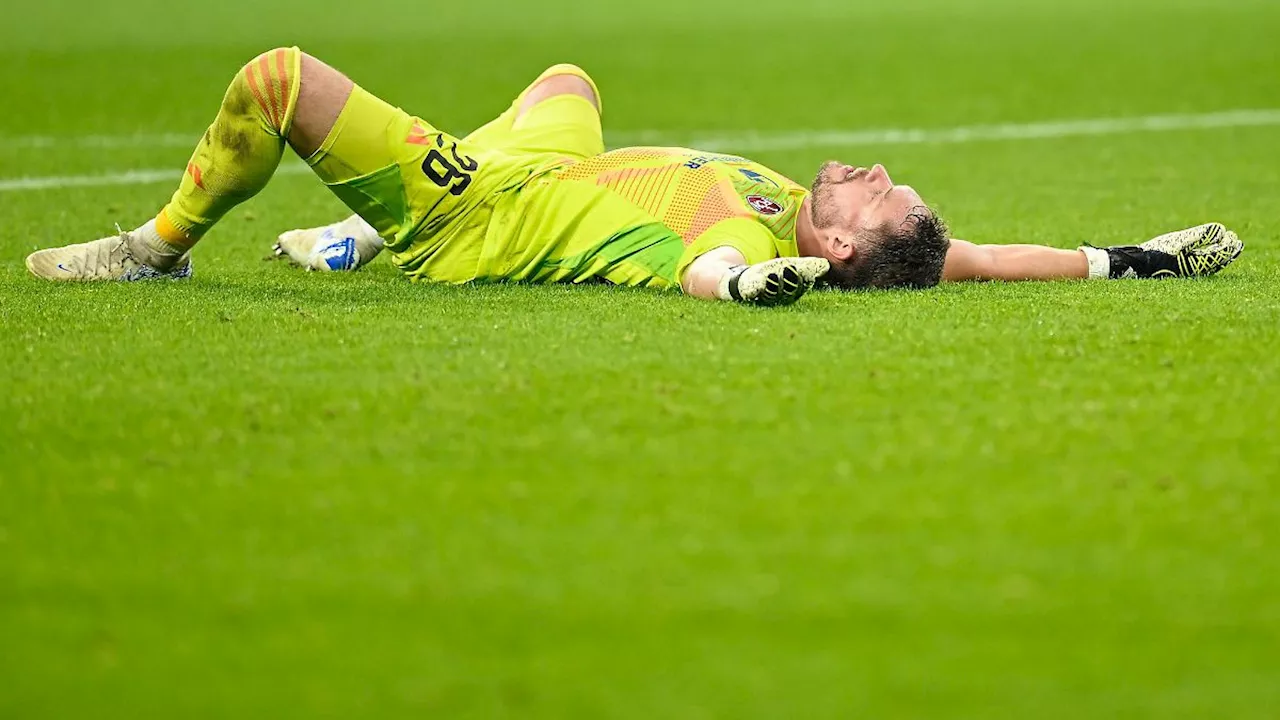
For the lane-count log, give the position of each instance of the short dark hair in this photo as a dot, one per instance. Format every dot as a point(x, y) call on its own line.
point(910, 256)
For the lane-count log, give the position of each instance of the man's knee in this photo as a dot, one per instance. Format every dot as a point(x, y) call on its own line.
point(295, 95)
point(267, 86)
point(559, 80)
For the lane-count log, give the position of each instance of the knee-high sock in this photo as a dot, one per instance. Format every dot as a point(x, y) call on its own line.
point(240, 150)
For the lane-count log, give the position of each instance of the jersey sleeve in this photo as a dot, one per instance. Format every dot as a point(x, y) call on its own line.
point(744, 234)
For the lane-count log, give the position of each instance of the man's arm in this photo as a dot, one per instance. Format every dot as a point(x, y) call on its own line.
point(1197, 251)
point(722, 273)
point(702, 279)
point(967, 261)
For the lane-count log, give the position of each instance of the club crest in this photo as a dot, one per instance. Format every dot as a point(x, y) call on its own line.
point(763, 205)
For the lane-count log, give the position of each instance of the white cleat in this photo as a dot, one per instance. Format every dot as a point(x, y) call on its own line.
point(124, 257)
point(342, 246)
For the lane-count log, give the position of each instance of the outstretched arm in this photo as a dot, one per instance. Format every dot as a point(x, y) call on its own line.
point(967, 261)
point(1197, 251)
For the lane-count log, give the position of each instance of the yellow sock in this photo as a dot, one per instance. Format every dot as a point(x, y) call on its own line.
point(240, 150)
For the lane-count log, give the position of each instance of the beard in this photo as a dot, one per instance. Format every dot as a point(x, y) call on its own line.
point(822, 204)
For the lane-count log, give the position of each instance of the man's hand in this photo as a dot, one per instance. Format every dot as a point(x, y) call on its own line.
point(1194, 252)
point(780, 281)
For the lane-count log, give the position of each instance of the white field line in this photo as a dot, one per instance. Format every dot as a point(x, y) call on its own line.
point(129, 177)
point(145, 140)
point(796, 140)
point(718, 141)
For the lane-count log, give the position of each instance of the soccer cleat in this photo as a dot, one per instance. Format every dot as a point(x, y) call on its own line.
point(1195, 252)
point(346, 245)
point(124, 257)
point(780, 281)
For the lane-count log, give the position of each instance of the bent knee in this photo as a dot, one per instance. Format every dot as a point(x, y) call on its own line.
point(266, 87)
point(564, 79)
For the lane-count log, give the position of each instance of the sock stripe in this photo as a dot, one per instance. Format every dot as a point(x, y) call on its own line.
point(257, 91)
point(284, 88)
point(169, 231)
point(264, 64)
point(271, 79)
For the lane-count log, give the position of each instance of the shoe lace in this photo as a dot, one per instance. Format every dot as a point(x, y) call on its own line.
point(120, 256)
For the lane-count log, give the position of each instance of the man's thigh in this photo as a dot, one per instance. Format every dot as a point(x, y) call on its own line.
point(403, 175)
point(566, 125)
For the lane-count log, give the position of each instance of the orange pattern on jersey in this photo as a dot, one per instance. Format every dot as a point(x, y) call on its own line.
point(659, 181)
point(719, 204)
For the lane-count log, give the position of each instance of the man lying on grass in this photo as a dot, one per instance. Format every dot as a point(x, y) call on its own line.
point(533, 196)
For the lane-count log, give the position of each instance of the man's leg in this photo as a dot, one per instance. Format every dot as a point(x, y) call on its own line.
point(548, 116)
point(280, 96)
point(533, 124)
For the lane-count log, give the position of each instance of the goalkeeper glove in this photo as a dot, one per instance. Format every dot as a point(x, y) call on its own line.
point(346, 245)
point(1194, 252)
point(780, 281)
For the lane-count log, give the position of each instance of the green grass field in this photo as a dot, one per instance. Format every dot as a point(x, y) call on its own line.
point(266, 494)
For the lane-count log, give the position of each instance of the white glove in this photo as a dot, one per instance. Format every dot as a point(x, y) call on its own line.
point(346, 245)
point(780, 281)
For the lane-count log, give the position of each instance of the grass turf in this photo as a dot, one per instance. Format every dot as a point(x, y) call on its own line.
point(270, 493)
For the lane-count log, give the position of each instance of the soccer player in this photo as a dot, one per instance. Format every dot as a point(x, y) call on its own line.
point(533, 196)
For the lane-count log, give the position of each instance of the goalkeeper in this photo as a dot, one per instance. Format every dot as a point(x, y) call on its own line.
point(533, 196)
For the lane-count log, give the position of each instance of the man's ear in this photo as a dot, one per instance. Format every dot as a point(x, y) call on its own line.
point(841, 247)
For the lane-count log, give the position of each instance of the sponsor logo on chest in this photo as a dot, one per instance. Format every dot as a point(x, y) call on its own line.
point(756, 177)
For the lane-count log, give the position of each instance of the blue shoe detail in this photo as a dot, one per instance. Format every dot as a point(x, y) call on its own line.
point(340, 255)
point(146, 272)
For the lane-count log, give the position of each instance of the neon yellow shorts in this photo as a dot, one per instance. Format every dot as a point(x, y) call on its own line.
point(431, 195)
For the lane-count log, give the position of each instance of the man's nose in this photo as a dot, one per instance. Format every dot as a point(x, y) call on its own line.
point(879, 176)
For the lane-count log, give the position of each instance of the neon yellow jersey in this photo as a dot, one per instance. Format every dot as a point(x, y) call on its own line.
point(640, 216)
point(635, 216)
point(707, 200)
point(532, 196)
